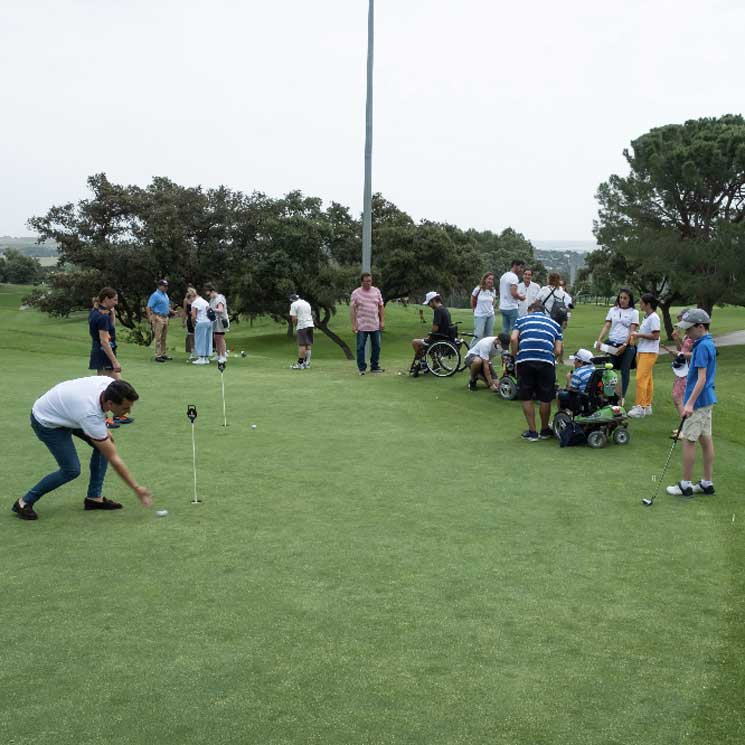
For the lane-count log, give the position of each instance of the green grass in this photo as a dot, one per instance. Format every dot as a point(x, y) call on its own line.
point(381, 560)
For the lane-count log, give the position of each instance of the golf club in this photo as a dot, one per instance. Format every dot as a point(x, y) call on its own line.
point(221, 368)
point(649, 502)
point(191, 412)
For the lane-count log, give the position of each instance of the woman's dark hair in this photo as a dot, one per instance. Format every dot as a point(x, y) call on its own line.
point(650, 299)
point(625, 291)
point(118, 391)
point(106, 292)
point(364, 274)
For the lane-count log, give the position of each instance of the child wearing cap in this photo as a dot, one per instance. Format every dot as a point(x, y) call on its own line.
point(442, 327)
point(578, 378)
point(698, 403)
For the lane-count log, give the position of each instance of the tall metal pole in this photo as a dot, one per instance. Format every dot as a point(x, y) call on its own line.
point(367, 197)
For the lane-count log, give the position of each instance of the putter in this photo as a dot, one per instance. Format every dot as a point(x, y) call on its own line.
point(221, 368)
point(191, 412)
point(649, 502)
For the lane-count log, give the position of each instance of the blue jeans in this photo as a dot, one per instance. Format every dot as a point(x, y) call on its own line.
point(508, 320)
point(60, 445)
point(375, 349)
point(482, 326)
point(203, 338)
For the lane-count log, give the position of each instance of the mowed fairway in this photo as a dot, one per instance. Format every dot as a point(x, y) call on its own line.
point(382, 560)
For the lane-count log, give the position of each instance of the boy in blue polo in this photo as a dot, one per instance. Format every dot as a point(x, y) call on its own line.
point(698, 402)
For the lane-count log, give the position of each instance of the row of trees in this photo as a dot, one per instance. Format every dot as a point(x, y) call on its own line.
point(675, 226)
point(255, 248)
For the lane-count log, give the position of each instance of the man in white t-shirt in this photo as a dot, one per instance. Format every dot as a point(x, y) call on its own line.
point(479, 359)
point(529, 290)
point(509, 297)
point(78, 407)
point(301, 316)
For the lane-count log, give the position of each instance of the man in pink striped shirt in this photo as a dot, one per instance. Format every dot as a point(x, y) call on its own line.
point(368, 319)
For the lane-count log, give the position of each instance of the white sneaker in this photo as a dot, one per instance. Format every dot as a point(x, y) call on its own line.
point(647, 411)
point(201, 361)
point(222, 359)
point(297, 366)
point(678, 490)
point(638, 412)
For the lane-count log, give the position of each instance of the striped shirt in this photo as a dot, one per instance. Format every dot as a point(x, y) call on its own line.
point(538, 334)
point(366, 305)
point(581, 377)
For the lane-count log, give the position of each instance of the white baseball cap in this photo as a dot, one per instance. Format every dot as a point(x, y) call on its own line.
point(429, 297)
point(583, 355)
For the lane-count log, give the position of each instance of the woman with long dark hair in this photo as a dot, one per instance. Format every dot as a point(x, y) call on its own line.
point(621, 321)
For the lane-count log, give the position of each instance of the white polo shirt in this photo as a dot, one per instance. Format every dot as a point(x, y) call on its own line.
point(75, 404)
point(302, 311)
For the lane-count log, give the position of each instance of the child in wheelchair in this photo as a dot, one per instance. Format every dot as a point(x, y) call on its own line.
point(442, 328)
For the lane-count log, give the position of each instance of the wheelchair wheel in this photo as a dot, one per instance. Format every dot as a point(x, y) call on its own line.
point(561, 421)
point(621, 436)
point(442, 358)
point(507, 388)
point(597, 439)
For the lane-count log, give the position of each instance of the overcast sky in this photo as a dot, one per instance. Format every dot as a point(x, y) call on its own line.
point(488, 114)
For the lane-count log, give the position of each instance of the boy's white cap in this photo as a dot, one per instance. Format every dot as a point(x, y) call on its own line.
point(429, 297)
point(583, 355)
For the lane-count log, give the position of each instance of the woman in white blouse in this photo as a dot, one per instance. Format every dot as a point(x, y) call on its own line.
point(482, 303)
point(621, 321)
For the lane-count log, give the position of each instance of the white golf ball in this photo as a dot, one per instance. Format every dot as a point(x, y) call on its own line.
point(253, 426)
point(161, 513)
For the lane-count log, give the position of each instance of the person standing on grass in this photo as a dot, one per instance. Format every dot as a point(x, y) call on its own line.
point(158, 313)
point(647, 340)
point(301, 316)
point(536, 341)
point(221, 324)
point(367, 312)
point(482, 304)
point(620, 322)
point(682, 354)
point(202, 327)
point(187, 322)
point(509, 297)
point(529, 290)
point(699, 400)
point(102, 329)
point(78, 407)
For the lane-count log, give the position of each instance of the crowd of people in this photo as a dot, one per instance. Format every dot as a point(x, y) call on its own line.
point(533, 322)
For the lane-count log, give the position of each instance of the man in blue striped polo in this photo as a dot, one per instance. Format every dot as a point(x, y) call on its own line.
point(536, 341)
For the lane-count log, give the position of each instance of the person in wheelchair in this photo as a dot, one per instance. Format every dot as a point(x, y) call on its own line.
point(442, 328)
point(574, 396)
point(508, 359)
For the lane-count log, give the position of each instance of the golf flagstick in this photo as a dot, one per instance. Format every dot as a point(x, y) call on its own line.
point(650, 502)
point(221, 368)
point(191, 412)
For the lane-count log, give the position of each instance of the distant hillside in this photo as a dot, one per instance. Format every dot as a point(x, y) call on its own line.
point(27, 246)
point(566, 262)
point(579, 246)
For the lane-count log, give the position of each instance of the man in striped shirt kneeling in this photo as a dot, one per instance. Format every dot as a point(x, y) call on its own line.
point(536, 341)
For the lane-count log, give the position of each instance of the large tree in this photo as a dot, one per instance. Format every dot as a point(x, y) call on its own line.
point(678, 217)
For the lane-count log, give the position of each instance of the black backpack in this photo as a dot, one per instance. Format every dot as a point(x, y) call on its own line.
point(211, 315)
point(558, 312)
point(571, 435)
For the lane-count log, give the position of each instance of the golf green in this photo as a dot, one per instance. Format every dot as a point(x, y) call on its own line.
point(379, 560)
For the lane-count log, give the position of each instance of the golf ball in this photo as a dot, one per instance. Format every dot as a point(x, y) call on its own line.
point(253, 426)
point(161, 513)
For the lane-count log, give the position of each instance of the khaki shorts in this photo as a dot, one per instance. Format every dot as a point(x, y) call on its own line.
point(697, 424)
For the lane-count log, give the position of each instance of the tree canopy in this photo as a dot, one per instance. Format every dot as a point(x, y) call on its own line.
point(255, 248)
point(675, 225)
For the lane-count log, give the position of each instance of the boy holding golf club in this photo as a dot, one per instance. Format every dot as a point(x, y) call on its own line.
point(698, 402)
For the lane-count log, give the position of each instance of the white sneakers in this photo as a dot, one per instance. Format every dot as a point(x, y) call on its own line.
point(201, 361)
point(637, 412)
